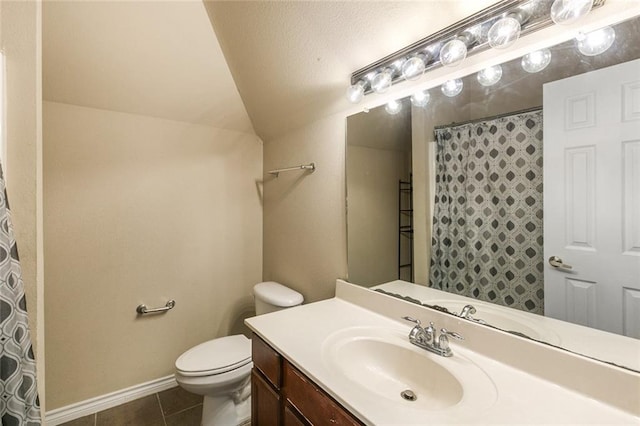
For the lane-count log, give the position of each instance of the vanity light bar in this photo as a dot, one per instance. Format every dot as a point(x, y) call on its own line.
point(538, 17)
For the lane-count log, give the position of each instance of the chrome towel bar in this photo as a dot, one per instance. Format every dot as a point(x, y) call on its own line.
point(142, 309)
point(311, 167)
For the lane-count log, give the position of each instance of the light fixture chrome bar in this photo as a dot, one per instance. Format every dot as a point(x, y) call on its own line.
point(311, 167)
point(480, 22)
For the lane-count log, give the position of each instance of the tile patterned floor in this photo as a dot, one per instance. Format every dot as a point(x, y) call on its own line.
point(173, 407)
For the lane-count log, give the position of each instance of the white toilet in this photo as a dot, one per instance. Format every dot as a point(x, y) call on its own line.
point(220, 369)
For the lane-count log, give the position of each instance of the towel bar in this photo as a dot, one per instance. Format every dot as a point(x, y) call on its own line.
point(142, 308)
point(310, 166)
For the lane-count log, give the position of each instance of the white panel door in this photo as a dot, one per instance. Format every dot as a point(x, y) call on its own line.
point(592, 198)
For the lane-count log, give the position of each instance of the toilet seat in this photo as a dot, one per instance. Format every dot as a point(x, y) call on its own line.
point(216, 356)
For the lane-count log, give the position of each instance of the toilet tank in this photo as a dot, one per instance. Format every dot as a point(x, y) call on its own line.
point(271, 296)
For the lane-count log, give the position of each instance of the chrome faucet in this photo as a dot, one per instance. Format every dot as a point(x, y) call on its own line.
point(467, 313)
point(426, 338)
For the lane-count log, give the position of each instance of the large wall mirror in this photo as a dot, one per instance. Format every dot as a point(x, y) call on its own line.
point(516, 191)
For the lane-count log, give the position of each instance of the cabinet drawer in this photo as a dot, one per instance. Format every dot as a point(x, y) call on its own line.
point(268, 361)
point(314, 404)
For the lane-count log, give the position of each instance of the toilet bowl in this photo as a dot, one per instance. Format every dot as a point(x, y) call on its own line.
point(220, 369)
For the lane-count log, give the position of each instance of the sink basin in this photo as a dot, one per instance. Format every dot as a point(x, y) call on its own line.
point(510, 320)
point(381, 363)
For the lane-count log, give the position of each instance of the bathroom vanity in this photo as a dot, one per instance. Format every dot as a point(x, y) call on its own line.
point(281, 394)
point(348, 360)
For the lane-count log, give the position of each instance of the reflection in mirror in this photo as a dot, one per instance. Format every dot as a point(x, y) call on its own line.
point(477, 224)
point(378, 159)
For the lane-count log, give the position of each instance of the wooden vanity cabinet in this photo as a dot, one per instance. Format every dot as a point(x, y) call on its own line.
point(282, 395)
point(266, 381)
point(265, 402)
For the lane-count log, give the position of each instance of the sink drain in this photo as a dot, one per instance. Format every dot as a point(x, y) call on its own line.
point(408, 395)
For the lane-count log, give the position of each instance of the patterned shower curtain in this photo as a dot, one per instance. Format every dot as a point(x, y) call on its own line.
point(487, 225)
point(19, 404)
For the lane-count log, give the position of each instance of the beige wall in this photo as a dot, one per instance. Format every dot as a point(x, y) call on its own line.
point(372, 216)
point(305, 244)
point(21, 43)
point(142, 210)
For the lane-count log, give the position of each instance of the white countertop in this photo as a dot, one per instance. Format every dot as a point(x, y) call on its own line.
point(299, 334)
point(615, 348)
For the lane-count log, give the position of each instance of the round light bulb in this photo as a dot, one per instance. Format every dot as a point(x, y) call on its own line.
point(382, 81)
point(420, 99)
point(355, 92)
point(453, 53)
point(393, 107)
point(536, 61)
point(504, 32)
point(490, 76)
point(452, 88)
point(413, 68)
point(566, 12)
point(596, 42)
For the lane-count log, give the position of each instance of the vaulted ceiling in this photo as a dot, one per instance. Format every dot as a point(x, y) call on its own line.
point(270, 66)
point(292, 60)
point(155, 58)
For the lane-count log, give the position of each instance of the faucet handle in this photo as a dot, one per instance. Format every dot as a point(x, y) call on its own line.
point(445, 332)
point(417, 333)
point(444, 337)
point(414, 320)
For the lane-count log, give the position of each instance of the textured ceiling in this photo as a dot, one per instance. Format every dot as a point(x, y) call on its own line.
point(292, 60)
point(156, 58)
point(287, 62)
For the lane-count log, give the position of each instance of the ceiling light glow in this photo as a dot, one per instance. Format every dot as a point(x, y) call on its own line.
point(452, 88)
point(504, 33)
point(413, 68)
point(420, 99)
point(382, 81)
point(536, 61)
point(596, 42)
point(355, 92)
point(565, 12)
point(393, 107)
point(453, 53)
point(490, 76)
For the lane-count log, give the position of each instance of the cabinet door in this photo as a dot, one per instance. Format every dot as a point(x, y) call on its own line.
point(292, 417)
point(265, 402)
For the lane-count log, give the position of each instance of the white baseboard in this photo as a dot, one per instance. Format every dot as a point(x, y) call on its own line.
point(99, 403)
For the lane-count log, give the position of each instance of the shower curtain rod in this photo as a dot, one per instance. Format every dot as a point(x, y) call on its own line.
point(494, 117)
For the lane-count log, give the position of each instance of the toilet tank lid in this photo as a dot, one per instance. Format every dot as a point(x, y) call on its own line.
point(276, 294)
